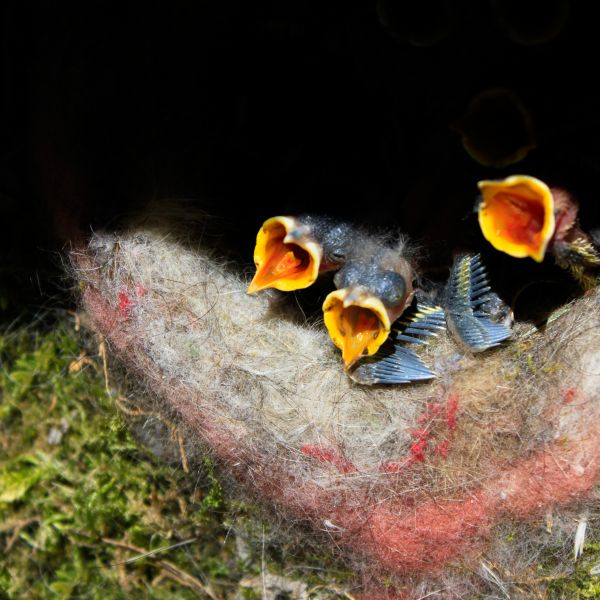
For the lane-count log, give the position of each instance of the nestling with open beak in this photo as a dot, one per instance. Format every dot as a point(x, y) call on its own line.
point(290, 252)
point(522, 216)
point(374, 287)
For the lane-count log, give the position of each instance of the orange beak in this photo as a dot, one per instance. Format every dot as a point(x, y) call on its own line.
point(357, 322)
point(285, 255)
point(516, 215)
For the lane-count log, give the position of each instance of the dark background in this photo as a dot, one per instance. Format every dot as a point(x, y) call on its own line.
point(255, 109)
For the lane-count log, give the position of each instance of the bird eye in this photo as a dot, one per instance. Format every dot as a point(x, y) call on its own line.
point(391, 288)
point(338, 255)
point(337, 241)
point(350, 274)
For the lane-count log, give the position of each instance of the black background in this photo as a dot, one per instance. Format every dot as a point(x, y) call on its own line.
point(255, 109)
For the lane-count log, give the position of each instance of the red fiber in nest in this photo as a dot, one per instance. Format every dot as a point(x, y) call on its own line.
point(327, 455)
point(417, 449)
point(451, 410)
point(442, 448)
point(124, 304)
point(402, 533)
point(398, 535)
point(569, 395)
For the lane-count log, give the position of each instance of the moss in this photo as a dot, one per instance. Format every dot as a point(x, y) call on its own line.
point(577, 582)
point(74, 485)
point(79, 496)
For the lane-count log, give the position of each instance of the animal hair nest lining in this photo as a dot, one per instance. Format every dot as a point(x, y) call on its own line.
point(410, 478)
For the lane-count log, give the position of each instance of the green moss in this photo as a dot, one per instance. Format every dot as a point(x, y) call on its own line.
point(75, 487)
point(578, 582)
point(78, 494)
point(74, 483)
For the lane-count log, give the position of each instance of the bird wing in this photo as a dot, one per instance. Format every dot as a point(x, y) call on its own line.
point(581, 256)
point(472, 309)
point(395, 362)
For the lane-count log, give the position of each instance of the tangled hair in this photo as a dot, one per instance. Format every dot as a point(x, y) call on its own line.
point(418, 481)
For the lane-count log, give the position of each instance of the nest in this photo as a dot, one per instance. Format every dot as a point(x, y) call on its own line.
point(407, 479)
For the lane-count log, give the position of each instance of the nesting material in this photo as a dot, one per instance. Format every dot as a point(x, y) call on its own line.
point(409, 478)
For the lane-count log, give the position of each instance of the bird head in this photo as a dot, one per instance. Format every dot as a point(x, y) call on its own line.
point(286, 255)
point(517, 215)
point(359, 314)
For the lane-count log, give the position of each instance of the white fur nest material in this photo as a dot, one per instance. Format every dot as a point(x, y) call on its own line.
point(410, 477)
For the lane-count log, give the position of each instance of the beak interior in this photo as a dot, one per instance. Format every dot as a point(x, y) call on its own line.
point(283, 261)
point(516, 215)
point(357, 328)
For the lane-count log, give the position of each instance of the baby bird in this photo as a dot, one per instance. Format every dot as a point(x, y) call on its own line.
point(476, 317)
point(290, 252)
point(522, 216)
point(374, 281)
point(375, 285)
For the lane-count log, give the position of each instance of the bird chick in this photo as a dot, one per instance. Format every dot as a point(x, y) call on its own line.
point(522, 216)
point(476, 316)
point(375, 285)
point(290, 252)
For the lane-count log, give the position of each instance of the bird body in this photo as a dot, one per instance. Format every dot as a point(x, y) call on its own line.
point(475, 316)
point(374, 287)
point(573, 248)
point(374, 282)
point(522, 216)
point(395, 362)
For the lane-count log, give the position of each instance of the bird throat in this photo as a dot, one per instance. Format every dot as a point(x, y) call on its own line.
point(519, 218)
point(283, 261)
point(359, 327)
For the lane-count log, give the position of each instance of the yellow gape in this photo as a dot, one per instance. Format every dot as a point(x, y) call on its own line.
point(516, 215)
point(357, 322)
point(286, 259)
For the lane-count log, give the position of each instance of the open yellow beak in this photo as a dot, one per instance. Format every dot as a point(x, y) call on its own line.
point(357, 322)
point(516, 215)
point(286, 258)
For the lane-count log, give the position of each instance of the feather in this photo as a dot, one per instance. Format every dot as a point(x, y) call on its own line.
point(476, 316)
point(395, 362)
